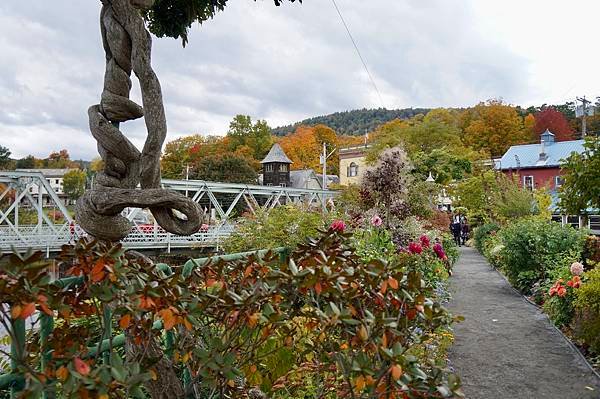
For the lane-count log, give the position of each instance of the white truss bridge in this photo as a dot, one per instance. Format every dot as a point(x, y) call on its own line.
point(25, 223)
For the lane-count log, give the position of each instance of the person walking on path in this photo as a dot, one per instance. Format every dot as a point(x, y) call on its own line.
point(464, 230)
point(506, 347)
point(455, 229)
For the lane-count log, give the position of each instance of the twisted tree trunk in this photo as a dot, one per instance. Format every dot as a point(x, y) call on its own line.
point(127, 45)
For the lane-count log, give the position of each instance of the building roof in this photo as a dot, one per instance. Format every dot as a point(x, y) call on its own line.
point(300, 178)
point(546, 154)
point(331, 179)
point(49, 172)
point(353, 152)
point(276, 154)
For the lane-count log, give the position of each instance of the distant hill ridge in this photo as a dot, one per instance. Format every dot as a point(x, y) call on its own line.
point(354, 123)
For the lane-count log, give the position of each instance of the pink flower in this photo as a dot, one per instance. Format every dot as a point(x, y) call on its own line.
point(204, 228)
point(439, 251)
point(415, 248)
point(576, 268)
point(425, 241)
point(338, 225)
point(376, 221)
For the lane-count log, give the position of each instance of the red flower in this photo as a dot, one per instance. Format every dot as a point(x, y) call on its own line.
point(338, 225)
point(415, 248)
point(558, 288)
point(575, 282)
point(425, 241)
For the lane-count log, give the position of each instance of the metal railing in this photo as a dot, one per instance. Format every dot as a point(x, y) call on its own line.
point(220, 201)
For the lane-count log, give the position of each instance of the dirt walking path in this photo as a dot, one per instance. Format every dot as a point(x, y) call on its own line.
point(506, 348)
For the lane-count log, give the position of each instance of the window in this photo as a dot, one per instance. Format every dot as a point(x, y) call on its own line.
point(594, 222)
point(269, 167)
point(282, 185)
point(284, 168)
point(573, 220)
point(353, 170)
point(528, 182)
point(559, 181)
point(557, 218)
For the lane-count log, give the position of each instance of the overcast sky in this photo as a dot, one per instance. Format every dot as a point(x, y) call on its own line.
point(287, 63)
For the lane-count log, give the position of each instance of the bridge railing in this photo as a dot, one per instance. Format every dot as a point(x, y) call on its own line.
point(15, 381)
point(51, 238)
point(221, 201)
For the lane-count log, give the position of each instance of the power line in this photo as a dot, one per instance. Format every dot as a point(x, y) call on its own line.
point(358, 52)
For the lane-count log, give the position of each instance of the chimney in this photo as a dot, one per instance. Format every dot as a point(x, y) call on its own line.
point(543, 155)
point(547, 138)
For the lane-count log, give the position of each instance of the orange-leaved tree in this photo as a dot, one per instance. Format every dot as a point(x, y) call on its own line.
point(494, 126)
point(305, 145)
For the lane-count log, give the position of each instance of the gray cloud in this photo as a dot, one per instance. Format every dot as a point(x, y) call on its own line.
point(276, 63)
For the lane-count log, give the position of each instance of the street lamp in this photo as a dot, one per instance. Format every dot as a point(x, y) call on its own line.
point(430, 178)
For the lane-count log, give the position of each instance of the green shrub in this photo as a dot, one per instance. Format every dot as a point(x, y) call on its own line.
point(534, 246)
point(451, 248)
point(284, 226)
point(482, 233)
point(374, 243)
point(587, 306)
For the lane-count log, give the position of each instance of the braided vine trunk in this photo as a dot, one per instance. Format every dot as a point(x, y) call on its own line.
point(127, 45)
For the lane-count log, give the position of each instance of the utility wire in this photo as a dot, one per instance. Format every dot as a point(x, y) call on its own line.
point(358, 52)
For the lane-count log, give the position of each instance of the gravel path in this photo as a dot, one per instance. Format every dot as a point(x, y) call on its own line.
point(507, 348)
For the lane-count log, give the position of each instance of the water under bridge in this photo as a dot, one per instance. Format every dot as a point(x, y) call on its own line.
point(26, 197)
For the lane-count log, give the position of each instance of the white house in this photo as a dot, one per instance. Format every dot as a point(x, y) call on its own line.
point(55, 178)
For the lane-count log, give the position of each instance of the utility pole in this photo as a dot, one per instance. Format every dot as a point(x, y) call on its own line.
point(584, 116)
point(323, 158)
point(187, 177)
point(324, 166)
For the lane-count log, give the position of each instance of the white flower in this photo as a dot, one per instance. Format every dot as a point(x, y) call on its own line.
point(576, 268)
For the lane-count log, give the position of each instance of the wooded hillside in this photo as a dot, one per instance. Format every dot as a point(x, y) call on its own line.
point(354, 123)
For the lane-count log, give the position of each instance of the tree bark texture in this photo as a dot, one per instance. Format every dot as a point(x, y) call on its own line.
point(127, 44)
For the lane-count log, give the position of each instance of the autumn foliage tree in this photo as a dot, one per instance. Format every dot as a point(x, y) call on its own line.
point(229, 168)
point(177, 155)
point(551, 119)
point(252, 140)
point(493, 126)
point(305, 145)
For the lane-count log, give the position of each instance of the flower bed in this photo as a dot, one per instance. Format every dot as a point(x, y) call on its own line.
point(328, 320)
